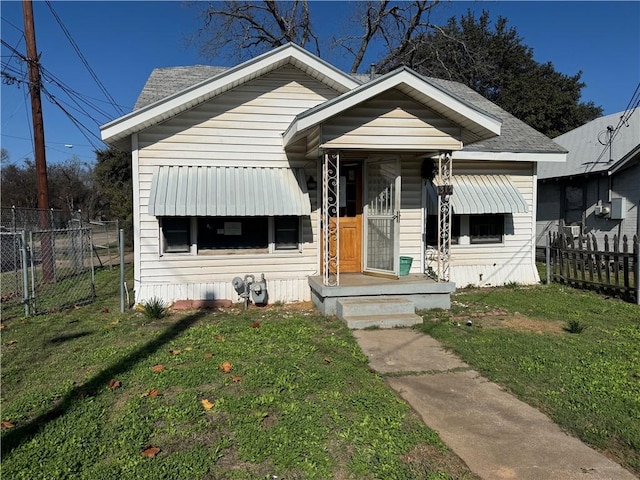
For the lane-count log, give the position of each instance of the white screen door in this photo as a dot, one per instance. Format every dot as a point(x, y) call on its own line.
point(381, 216)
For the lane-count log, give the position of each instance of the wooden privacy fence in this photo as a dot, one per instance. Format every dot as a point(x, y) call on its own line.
point(580, 262)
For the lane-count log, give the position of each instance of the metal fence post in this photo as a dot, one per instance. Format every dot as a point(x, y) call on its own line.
point(89, 233)
point(121, 248)
point(547, 252)
point(637, 273)
point(25, 273)
point(33, 273)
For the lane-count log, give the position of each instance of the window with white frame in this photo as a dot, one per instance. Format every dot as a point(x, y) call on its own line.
point(432, 229)
point(486, 228)
point(469, 229)
point(176, 234)
point(225, 235)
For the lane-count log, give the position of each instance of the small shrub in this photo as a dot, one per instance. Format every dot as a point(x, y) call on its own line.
point(575, 326)
point(155, 308)
point(512, 285)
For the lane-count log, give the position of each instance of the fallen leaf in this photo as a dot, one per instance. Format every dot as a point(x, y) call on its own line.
point(152, 393)
point(219, 337)
point(328, 360)
point(2, 326)
point(113, 383)
point(188, 349)
point(150, 451)
point(226, 367)
point(157, 368)
point(255, 325)
point(6, 424)
point(206, 404)
point(174, 352)
point(208, 355)
point(12, 342)
point(236, 378)
point(105, 310)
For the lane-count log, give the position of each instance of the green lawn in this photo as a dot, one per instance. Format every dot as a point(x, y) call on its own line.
point(81, 399)
point(589, 382)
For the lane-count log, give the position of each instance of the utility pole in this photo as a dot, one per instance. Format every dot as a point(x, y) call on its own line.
point(42, 183)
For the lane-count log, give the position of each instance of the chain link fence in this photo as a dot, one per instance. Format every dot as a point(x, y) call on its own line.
point(51, 268)
point(13, 282)
point(15, 219)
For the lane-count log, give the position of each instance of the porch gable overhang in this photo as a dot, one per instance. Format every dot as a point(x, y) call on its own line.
point(475, 123)
point(157, 112)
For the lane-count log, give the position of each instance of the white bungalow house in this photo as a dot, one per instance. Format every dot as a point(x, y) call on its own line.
point(288, 167)
point(597, 190)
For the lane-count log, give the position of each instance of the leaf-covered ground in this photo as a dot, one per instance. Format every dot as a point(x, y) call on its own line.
point(89, 393)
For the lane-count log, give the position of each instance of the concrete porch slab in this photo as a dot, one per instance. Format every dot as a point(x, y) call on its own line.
point(424, 293)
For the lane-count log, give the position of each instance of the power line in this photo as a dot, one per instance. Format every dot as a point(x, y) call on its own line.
point(73, 95)
point(26, 108)
point(17, 28)
point(10, 73)
point(83, 59)
point(73, 119)
point(75, 92)
point(632, 105)
point(55, 143)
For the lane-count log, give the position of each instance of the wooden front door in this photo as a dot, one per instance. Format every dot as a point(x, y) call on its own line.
point(350, 224)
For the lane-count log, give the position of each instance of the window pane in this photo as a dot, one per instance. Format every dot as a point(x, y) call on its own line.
point(486, 228)
point(287, 233)
point(176, 234)
point(215, 233)
point(432, 229)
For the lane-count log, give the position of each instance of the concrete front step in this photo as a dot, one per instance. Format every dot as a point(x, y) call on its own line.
point(373, 306)
point(383, 312)
point(382, 321)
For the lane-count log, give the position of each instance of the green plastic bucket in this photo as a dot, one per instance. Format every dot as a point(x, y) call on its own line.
point(405, 265)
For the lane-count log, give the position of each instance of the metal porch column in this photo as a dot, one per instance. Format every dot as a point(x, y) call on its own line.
point(330, 228)
point(445, 190)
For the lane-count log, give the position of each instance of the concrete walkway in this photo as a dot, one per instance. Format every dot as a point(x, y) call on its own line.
point(495, 434)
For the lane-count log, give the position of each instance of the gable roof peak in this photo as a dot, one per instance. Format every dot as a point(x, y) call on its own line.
point(190, 96)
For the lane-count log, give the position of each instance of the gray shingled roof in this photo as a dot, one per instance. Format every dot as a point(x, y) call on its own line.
point(165, 81)
point(516, 136)
point(586, 153)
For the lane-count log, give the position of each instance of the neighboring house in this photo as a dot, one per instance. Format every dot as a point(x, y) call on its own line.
point(237, 171)
point(597, 189)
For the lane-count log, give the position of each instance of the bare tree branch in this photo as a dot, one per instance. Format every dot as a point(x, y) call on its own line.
point(243, 29)
point(395, 24)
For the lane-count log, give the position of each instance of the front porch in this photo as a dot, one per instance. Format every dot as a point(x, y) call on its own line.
point(424, 293)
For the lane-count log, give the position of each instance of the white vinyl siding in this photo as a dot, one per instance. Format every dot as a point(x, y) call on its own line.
point(548, 214)
point(240, 127)
point(625, 185)
point(411, 214)
point(390, 121)
point(512, 260)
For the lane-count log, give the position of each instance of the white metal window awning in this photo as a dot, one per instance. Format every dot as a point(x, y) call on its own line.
point(228, 191)
point(480, 194)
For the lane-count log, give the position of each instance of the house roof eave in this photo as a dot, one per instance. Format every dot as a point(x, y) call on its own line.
point(514, 156)
point(193, 95)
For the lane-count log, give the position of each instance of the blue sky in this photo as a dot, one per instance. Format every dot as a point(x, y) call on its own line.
point(124, 41)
